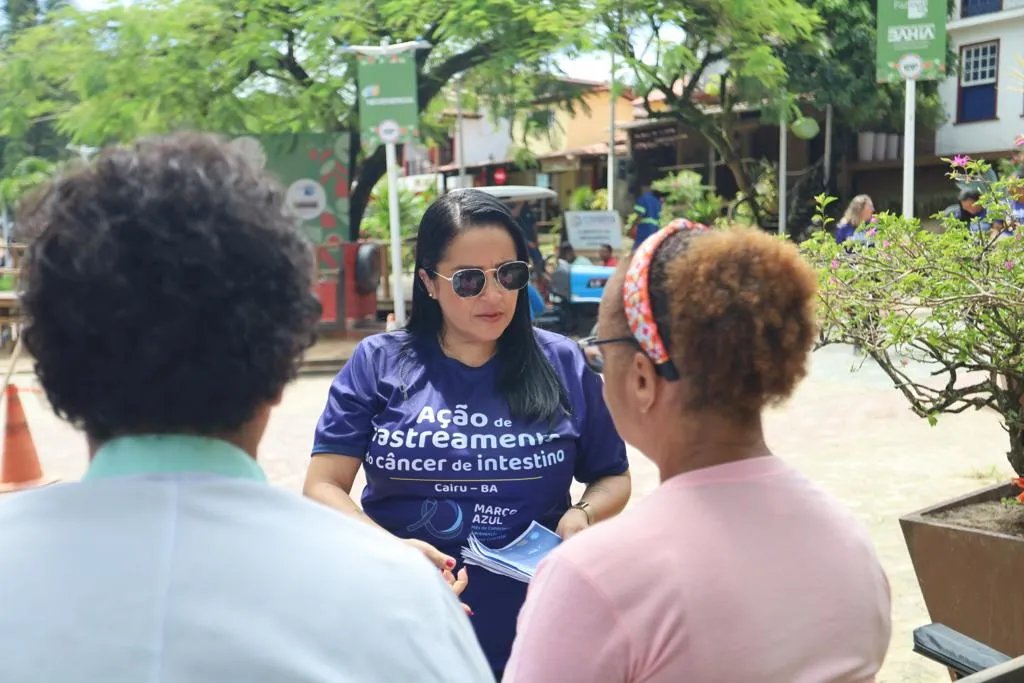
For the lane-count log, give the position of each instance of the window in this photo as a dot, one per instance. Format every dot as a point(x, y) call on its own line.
point(974, 8)
point(979, 75)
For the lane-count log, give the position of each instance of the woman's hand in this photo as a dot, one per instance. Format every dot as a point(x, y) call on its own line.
point(458, 583)
point(436, 557)
point(446, 564)
point(573, 521)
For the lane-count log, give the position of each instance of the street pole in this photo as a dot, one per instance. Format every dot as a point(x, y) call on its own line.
point(459, 139)
point(611, 137)
point(398, 289)
point(783, 172)
point(391, 155)
point(909, 144)
point(827, 176)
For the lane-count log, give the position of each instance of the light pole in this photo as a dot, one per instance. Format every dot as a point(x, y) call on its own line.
point(611, 136)
point(391, 155)
point(459, 139)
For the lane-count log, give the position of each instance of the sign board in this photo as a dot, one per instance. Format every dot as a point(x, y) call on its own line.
point(313, 167)
point(591, 229)
point(388, 101)
point(566, 166)
point(911, 40)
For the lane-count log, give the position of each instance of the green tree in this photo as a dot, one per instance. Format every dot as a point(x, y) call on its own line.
point(701, 51)
point(836, 66)
point(261, 66)
point(38, 143)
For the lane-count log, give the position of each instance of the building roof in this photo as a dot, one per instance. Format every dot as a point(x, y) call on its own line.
point(597, 150)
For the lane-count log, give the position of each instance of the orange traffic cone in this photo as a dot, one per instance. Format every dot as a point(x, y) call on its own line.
point(19, 462)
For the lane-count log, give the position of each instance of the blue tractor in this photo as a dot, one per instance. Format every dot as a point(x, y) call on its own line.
point(574, 292)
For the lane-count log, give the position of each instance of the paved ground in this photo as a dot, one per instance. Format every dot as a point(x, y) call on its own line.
point(850, 432)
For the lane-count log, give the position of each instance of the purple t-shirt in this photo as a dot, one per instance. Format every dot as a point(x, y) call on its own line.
point(444, 458)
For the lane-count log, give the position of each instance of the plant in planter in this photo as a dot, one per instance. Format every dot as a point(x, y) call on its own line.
point(954, 301)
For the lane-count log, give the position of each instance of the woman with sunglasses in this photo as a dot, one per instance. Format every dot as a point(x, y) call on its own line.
point(736, 568)
point(470, 420)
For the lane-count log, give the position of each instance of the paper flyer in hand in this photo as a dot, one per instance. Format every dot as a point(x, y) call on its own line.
point(519, 559)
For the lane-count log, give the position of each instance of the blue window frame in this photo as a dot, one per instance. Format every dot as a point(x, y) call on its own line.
point(979, 79)
point(974, 8)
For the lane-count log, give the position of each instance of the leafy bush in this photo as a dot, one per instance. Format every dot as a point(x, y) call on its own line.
point(376, 223)
point(953, 300)
point(686, 196)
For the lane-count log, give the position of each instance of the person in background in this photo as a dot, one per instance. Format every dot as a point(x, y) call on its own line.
point(648, 214)
point(607, 256)
point(527, 220)
point(1016, 216)
point(736, 568)
point(567, 253)
point(859, 212)
point(470, 420)
point(172, 265)
point(970, 212)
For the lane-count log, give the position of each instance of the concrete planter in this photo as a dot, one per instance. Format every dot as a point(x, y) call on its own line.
point(970, 578)
point(881, 139)
point(893, 146)
point(865, 146)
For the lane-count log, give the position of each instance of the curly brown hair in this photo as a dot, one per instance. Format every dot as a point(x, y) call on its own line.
point(165, 288)
point(739, 308)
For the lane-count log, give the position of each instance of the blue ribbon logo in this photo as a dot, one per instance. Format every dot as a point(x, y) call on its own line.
point(427, 512)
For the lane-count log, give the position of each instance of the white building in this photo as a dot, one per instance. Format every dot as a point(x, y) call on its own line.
point(485, 141)
point(985, 102)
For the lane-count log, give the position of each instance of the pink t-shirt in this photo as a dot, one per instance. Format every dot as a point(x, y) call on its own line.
point(743, 572)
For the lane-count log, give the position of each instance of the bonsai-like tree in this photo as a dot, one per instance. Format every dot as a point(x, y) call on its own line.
point(951, 298)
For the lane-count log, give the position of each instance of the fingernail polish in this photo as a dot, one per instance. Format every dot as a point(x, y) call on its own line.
point(450, 564)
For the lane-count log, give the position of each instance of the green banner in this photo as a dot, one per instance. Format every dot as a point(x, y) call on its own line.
point(911, 40)
point(314, 169)
point(388, 110)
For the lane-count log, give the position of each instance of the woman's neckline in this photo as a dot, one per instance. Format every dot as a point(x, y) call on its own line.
point(440, 348)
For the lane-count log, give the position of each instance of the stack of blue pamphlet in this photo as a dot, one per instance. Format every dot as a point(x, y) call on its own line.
point(519, 559)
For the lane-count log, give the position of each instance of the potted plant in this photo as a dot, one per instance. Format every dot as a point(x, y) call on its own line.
point(942, 313)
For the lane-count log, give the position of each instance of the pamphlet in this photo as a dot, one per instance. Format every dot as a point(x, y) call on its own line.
point(519, 559)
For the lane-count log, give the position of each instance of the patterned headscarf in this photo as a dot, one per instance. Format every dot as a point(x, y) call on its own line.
point(636, 297)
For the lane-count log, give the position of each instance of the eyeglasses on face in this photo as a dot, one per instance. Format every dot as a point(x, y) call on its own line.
point(470, 282)
point(592, 349)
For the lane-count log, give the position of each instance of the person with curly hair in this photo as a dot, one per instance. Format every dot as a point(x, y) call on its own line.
point(169, 301)
point(737, 567)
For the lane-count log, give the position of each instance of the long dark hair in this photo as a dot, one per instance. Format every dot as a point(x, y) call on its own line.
point(525, 377)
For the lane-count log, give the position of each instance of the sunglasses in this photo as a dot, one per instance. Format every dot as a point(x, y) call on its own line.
point(592, 350)
point(470, 282)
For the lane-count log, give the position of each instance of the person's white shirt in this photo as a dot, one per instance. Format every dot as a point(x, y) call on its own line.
point(174, 561)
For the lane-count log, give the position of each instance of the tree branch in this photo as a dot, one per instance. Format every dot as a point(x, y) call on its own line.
point(710, 57)
point(289, 63)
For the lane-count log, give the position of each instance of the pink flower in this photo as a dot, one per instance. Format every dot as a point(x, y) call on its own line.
point(871, 232)
point(835, 264)
point(833, 281)
point(885, 244)
point(960, 161)
point(1008, 265)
